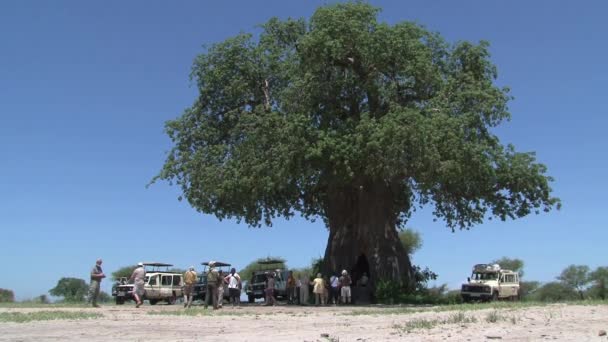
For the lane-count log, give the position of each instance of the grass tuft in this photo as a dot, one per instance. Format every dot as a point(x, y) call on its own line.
point(18, 317)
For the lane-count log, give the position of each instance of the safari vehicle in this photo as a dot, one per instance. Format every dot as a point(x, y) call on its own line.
point(200, 288)
point(257, 284)
point(490, 282)
point(160, 285)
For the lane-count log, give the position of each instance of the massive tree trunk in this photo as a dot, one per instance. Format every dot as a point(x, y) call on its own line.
point(363, 234)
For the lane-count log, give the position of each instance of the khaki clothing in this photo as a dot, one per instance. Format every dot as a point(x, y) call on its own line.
point(139, 279)
point(190, 278)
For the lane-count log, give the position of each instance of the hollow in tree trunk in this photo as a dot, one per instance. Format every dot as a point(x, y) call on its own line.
point(362, 224)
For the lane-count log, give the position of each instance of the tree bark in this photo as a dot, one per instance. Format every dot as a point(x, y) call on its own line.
point(362, 222)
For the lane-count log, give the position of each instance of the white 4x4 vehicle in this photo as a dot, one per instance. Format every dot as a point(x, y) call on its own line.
point(160, 285)
point(490, 282)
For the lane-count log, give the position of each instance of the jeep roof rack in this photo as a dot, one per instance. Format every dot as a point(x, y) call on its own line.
point(271, 261)
point(156, 267)
point(217, 263)
point(156, 264)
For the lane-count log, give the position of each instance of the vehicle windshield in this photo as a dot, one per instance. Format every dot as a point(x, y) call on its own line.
point(484, 276)
point(258, 278)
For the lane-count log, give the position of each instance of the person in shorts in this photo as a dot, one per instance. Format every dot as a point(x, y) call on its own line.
point(345, 282)
point(138, 277)
point(190, 278)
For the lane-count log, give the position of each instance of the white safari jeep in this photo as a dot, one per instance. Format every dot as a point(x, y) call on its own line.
point(160, 285)
point(490, 282)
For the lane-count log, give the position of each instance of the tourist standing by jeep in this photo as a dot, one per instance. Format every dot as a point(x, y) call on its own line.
point(212, 282)
point(96, 277)
point(270, 282)
point(291, 288)
point(138, 277)
point(190, 279)
point(234, 287)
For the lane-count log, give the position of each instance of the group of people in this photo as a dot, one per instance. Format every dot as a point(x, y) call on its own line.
point(335, 290)
point(137, 277)
point(214, 293)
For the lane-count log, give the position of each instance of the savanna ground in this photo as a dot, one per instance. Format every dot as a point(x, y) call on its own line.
point(581, 321)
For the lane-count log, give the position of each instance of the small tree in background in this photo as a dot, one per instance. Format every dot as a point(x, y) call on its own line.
point(255, 265)
point(7, 296)
point(575, 277)
point(71, 289)
point(599, 277)
point(122, 272)
point(515, 265)
point(411, 241)
point(42, 299)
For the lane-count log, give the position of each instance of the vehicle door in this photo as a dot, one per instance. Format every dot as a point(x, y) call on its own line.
point(506, 285)
point(153, 287)
point(178, 283)
point(166, 289)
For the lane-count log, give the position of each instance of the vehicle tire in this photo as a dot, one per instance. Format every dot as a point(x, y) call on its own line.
point(251, 298)
point(172, 299)
point(153, 301)
point(120, 300)
point(495, 296)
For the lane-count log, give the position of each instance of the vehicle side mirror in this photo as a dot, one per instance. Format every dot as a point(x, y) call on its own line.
point(469, 279)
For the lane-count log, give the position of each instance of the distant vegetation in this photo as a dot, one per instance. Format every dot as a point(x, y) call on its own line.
point(6, 296)
point(71, 289)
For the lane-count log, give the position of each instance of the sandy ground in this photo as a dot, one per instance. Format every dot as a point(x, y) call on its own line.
point(294, 323)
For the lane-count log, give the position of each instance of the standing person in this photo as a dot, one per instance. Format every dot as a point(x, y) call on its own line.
point(138, 277)
point(234, 287)
point(291, 288)
point(220, 288)
point(345, 282)
point(190, 278)
point(304, 283)
point(270, 289)
point(335, 288)
point(318, 289)
point(96, 276)
point(212, 280)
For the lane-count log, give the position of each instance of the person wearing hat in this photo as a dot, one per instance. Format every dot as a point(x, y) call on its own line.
point(190, 278)
point(138, 277)
point(345, 282)
point(212, 281)
point(96, 276)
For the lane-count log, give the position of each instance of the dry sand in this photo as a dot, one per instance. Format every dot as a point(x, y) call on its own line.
point(557, 322)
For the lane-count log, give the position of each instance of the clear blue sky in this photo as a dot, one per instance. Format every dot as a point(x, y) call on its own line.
point(86, 86)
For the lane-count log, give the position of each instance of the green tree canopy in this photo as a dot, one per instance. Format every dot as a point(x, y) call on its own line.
point(7, 296)
point(71, 289)
point(355, 121)
point(599, 277)
point(575, 277)
point(411, 240)
point(515, 265)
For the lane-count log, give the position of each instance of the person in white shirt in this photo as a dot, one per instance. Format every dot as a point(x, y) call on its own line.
point(234, 287)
